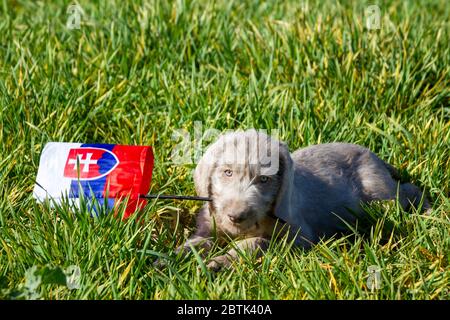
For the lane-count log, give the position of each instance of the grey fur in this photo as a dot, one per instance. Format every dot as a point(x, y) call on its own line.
point(314, 190)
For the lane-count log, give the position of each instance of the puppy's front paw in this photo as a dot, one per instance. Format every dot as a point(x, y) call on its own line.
point(216, 264)
point(183, 250)
point(159, 264)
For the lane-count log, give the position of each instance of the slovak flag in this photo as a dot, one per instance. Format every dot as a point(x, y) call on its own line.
point(106, 172)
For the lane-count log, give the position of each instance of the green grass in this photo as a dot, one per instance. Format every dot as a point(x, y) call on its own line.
point(311, 70)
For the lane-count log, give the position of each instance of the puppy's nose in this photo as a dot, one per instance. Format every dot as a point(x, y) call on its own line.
point(236, 219)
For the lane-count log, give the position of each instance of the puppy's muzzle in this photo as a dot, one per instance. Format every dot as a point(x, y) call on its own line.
point(239, 217)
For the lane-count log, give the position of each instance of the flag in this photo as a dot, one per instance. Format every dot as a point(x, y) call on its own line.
point(107, 172)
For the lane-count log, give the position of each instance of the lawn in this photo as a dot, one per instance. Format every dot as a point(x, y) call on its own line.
point(136, 72)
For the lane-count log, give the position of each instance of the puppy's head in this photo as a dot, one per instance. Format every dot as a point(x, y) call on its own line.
point(248, 176)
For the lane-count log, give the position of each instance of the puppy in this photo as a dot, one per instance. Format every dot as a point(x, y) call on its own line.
point(256, 185)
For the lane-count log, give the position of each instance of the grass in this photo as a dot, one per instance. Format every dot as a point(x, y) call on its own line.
point(136, 71)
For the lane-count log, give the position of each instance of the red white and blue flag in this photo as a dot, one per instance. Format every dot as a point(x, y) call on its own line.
point(106, 172)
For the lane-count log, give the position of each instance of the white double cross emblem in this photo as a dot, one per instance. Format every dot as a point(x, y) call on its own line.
point(86, 162)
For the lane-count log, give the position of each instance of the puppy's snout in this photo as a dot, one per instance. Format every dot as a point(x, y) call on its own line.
point(236, 218)
point(237, 211)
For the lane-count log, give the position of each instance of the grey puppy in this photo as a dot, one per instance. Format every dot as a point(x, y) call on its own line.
point(254, 183)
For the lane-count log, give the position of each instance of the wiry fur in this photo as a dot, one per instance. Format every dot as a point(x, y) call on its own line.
point(313, 191)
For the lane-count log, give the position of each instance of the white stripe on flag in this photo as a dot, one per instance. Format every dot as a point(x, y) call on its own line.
point(50, 174)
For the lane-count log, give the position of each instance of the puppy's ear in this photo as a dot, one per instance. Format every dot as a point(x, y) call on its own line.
point(207, 164)
point(283, 204)
point(205, 167)
point(201, 176)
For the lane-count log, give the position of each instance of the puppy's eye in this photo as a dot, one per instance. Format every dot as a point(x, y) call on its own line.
point(228, 173)
point(263, 179)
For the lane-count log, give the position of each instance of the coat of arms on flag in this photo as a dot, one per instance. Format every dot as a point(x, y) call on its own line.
point(106, 172)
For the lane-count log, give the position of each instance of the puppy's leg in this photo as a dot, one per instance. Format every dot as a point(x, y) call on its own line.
point(202, 236)
point(380, 181)
point(197, 241)
point(412, 195)
point(201, 239)
point(251, 245)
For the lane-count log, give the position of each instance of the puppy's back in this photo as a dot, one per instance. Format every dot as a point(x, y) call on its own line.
point(329, 154)
point(332, 178)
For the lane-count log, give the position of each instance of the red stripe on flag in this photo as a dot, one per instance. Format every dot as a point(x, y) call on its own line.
point(131, 177)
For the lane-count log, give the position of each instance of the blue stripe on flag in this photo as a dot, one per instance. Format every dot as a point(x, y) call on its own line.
point(100, 204)
point(98, 145)
point(93, 187)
